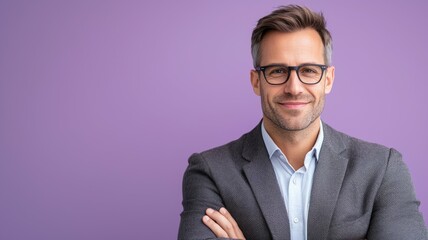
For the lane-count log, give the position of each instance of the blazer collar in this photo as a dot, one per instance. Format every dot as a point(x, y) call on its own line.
point(261, 176)
point(328, 179)
point(327, 183)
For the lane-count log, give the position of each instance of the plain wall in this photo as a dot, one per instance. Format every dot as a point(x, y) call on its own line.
point(102, 103)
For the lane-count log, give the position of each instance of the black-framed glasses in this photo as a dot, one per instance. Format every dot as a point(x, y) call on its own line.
point(279, 74)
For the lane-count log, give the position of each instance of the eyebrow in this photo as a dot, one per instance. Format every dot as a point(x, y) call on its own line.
point(286, 65)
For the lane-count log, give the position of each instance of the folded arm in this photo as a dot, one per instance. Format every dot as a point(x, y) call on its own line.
point(222, 224)
point(199, 194)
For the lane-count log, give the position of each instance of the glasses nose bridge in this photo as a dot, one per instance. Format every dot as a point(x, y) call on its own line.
point(296, 69)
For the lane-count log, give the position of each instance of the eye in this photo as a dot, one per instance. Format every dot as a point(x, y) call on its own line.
point(276, 71)
point(309, 70)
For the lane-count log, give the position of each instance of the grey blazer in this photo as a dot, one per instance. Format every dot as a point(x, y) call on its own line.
point(360, 191)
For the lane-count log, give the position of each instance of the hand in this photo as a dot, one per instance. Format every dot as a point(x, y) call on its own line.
point(222, 224)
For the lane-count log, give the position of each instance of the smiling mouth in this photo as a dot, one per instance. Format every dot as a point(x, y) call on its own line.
point(293, 105)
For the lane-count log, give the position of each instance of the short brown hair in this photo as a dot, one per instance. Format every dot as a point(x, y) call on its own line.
point(291, 18)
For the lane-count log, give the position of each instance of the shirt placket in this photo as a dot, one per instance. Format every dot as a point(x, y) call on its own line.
point(296, 205)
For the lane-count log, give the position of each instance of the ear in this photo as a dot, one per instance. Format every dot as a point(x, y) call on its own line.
point(329, 80)
point(255, 82)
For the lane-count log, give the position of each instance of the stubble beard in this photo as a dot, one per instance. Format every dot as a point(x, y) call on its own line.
point(293, 120)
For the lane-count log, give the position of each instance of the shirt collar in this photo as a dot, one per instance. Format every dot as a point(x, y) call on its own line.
point(271, 147)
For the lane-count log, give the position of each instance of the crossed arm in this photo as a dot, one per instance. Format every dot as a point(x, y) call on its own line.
point(222, 224)
point(394, 215)
point(201, 195)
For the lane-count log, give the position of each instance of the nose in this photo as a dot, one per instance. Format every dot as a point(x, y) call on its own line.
point(293, 86)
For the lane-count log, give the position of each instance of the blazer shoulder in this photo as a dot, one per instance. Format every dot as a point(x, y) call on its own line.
point(360, 145)
point(356, 148)
point(223, 153)
point(235, 153)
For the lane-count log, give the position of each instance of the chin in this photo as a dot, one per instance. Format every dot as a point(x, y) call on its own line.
point(296, 124)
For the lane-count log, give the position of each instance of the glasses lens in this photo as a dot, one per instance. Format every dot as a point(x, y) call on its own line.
point(276, 74)
point(310, 73)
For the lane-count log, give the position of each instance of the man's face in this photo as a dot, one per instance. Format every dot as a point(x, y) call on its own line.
point(292, 106)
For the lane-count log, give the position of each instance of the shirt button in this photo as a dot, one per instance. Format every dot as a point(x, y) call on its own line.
point(295, 220)
point(294, 181)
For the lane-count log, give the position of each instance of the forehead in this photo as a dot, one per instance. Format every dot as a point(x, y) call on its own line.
point(303, 46)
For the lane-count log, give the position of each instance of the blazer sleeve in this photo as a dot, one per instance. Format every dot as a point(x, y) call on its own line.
point(395, 212)
point(199, 193)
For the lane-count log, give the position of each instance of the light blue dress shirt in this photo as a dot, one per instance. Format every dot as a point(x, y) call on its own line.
point(295, 185)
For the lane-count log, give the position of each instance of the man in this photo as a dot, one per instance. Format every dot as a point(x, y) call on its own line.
point(293, 176)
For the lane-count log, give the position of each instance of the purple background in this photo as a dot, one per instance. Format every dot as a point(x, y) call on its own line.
point(102, 102)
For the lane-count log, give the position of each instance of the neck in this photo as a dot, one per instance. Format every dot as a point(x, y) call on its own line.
point(294, 144)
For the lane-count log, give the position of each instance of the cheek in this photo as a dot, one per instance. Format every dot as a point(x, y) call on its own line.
point(264, 96)
point(319, 94)
point(268, 94)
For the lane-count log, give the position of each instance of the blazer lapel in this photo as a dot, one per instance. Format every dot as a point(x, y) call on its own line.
point(327, 183)
point(261, 176)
